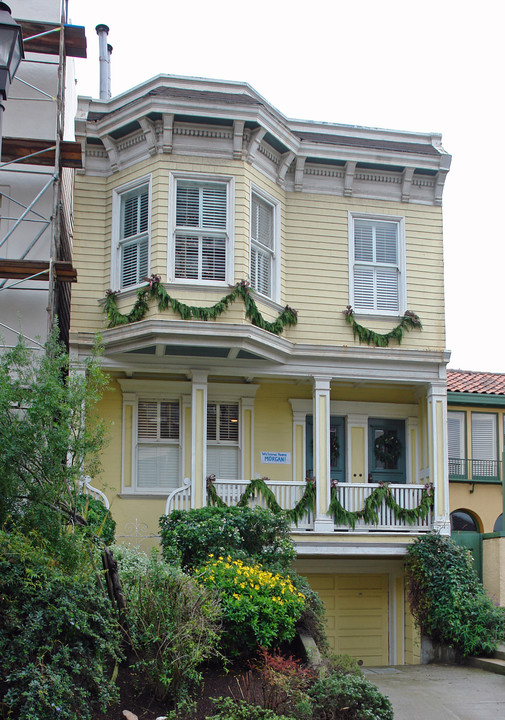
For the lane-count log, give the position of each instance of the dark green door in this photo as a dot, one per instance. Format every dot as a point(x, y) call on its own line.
point(473, 542)
point(386, 450)
point(337, 447)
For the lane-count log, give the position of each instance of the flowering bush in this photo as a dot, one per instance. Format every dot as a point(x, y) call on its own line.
point(259, 607)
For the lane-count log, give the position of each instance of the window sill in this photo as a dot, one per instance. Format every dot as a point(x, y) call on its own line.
point(144, 495)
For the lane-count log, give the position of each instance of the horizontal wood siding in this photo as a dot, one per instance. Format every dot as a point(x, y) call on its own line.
point(314, 250)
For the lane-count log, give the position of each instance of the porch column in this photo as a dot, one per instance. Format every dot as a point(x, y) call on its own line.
point(321, 414)
point(438, 457)
point(198, 438)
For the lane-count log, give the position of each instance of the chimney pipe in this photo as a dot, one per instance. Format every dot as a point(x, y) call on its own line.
point(104, 58)
point(109, 53)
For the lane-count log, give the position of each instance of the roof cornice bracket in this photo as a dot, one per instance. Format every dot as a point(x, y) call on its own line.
point(300, 166)
point(286, 160)
point(407, 177)
point(350, 169)
point(149, 131)
point(168, 132)
point(254, 143)
point(238, 139)
point(112, 151)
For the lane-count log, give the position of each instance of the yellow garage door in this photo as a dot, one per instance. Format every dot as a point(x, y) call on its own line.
point(357, 610)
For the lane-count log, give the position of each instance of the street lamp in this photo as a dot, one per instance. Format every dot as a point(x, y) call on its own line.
point(11, 53)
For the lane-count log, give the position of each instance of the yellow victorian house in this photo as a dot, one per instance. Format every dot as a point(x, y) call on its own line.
point(270, 295)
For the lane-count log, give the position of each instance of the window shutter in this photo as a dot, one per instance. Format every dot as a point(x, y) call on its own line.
point(262, 222)
point(455, 435)
point(262, 245)
point(386, 245)
point(135, 213)
point(387, 288)
point(134, 224)
point(363, 288)
point(484, 446)
point(134, 262)
point(228, 422)
point(222, 461)
point(202, 254)
point(363, 241)
point(213, 258)
point(158, 467)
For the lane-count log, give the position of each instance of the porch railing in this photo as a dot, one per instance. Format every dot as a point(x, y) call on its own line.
point(351, 496)
point(287, 494)
point(475, 470)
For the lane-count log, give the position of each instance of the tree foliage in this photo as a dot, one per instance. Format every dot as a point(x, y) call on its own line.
point(448, 600)
point(50, 437)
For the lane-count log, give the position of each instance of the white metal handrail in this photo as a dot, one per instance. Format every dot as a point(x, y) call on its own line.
point(87, 488)
point(180, 498)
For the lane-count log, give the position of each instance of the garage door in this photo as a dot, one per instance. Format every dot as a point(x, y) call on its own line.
point(356, 614)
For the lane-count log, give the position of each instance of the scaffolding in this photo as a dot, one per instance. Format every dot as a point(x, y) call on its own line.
point(63, 157)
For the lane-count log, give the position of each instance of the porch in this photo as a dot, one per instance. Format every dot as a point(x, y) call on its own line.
point(354, 508)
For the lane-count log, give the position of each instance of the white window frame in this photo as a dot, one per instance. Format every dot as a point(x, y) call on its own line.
point(134, 391)
point(117, 242)
point(401, 264)
point(228, 231)
point(157, 489)
point(275, 252)
point(218, 442)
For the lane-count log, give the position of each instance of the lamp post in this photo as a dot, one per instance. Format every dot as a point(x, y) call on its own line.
point(11, 54)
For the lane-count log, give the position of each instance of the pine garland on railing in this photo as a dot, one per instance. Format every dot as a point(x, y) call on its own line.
point(409, 321)
point(155, 291)
point(259, 486)
point(369, 512)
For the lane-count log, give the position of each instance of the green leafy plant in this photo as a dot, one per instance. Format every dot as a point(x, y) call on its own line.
point(256, 535)
point(230, 709)
point(51, 435)
point(348, 697)
point(155, 291)
point(447, 599)
point(59, 638)
point(259, 607)
point(97, 517)
point(172, 623)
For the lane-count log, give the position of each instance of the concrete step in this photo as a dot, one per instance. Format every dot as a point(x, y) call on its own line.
point(494, 664)
point(500, 652)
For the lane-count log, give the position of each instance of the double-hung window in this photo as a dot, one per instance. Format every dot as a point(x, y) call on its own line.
point(484, 445)
point(376, 265)
point(158, 445)
point(223, 440)
point(133, 245)
point(202, 234)
point(262, 245)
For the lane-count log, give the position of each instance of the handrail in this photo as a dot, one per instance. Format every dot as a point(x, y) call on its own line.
point(86, 487)
point(185, 498)
point(473, 469)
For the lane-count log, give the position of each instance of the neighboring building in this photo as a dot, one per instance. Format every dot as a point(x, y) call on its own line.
point(205, 184)
point(476, 430)
point(35, 239)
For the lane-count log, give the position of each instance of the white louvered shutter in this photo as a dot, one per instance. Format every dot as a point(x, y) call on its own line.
point(222, 440)
point(200, 254)
point(134, 236)
point(158, 445)
point(376, 266)
point(262, 245)
point(484, 445)
point(456, 442)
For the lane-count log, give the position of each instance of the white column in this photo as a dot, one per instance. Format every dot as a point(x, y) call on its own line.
point(321, 413)
point(198, 439)
point(438, 455)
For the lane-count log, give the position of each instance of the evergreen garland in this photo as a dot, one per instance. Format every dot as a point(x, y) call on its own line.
point(409, 321)
point(341, 516)
point(259, 486)
point(155, 291)
point(369, 513)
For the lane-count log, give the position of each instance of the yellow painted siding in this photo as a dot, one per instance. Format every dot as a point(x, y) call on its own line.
point(356, 607)
point(314, 252)
point(412, 637)
point(484, 501)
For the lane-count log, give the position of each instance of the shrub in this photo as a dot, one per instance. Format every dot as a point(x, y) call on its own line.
point(59, 639)
point(255, 535)
point(348, 697)
point(172, 623)
point(259, 607)
point(229, 709)
point(99, 519)
point(447, 599)
point(278, 683)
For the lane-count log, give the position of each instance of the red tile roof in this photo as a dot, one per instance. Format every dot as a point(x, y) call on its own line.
point(467, 381)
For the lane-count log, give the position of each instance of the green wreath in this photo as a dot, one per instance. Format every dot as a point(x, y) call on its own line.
point(388, 449)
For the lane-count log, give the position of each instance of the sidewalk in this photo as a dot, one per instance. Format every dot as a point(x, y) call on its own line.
point(441, 692)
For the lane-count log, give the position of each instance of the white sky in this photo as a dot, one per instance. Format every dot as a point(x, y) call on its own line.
point(435, 65)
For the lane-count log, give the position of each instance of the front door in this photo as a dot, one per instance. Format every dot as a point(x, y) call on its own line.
point(386, 450)
point(337, 447)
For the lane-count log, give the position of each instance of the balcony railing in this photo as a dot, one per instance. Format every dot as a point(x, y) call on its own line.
point(475, 470)
point(351, 496)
